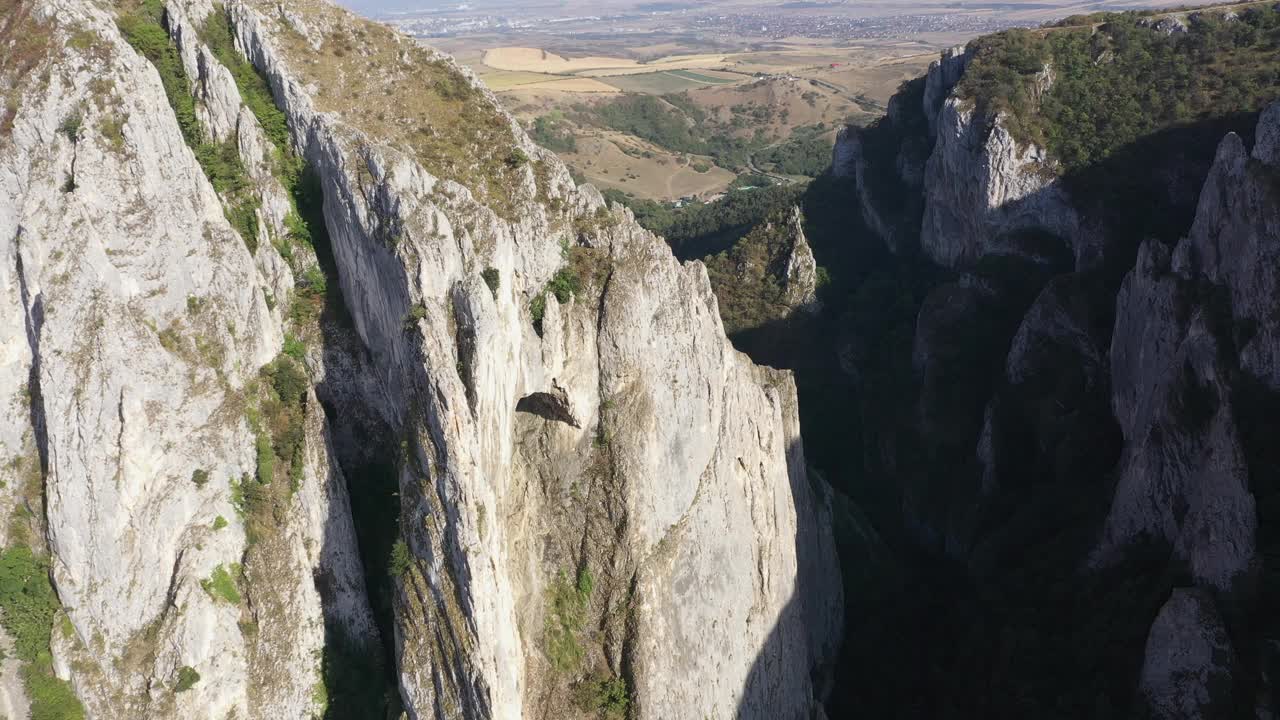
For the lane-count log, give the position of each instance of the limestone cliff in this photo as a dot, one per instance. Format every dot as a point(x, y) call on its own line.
point(1193, 355)
point(1089, 393)
point(143, 325)
point(985, 189)
point(216, 217)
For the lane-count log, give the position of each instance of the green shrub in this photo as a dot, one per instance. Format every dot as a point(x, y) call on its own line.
point(266, 458)
point(278, 420)
point(28, 601)
point(564, 284)
point(243, 216)
point(187, 679)
point(548, 133)
point(112, 129)
point(314, 281)
point(607, 695)
point(299, 229)
point(417, 312)
point(566, 615)
point(216, 32)
point(238, 500)
point(72, 125)
point(200, 477)
point(517, 158)
point(806, 152)
point(222, 165)
point(749, 279)
point(29, 606)
point(51, 698)
point(1149, 80)
point(222, 586)
point(450, 84)
point(295, 348)
point(699, 229)
point(143, 29)
point(537, 309)
point(491, 279)
point(400, 560)
point(288, 380)
point(219, 523)
point(676, 123)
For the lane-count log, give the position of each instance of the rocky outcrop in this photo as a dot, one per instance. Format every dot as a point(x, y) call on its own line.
point(1191, 344)
point(844, 152)
point(1232, 243)
point(653, 458)
point(144, 325)
point(800, 287)
point(1190, 665)
point(986, 192)
point(594, 486)
point(941, 78)
point(942, 175)
point(849, 160)
point(1190, 323)
point(1169, 25)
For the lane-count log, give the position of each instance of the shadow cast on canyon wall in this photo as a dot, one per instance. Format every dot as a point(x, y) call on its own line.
point(795, 664)
point(358, 666)
point(964, 593)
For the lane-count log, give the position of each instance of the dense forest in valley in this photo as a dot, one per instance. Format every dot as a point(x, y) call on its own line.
point(675, 122)
point(699, 229)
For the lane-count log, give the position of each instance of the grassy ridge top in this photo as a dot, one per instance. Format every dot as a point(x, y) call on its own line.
point(1117, 79)
point(399, 93)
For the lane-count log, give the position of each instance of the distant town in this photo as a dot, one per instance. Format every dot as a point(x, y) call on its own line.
point(762, 25)
point(779, 25)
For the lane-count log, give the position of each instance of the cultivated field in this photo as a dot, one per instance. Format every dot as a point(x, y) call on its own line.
point(766, 90)
point(526, 59)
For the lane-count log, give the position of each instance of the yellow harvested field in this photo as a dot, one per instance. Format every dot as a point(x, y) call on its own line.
point(535, 60)
point(676, 61)
point(576, 85)
point(686, 62)
point(504, 80)
point(526, 59)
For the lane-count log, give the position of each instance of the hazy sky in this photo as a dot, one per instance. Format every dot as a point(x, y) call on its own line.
point(373, 7)
point(376, 7)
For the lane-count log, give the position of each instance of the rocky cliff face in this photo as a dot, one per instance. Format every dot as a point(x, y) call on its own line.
point(801, 269)
point(143, 325)
point(597, 493)
point(985, 190)
point(1056, 410)
point(940, 80)
point(1192, 343)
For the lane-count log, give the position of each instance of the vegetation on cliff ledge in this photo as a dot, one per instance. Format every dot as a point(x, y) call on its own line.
point(1116, 79)
point(29, 607)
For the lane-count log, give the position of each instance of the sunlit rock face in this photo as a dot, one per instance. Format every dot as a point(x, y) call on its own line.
point(594, 486)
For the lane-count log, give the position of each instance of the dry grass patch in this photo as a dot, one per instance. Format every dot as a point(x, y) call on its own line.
point(406, 96)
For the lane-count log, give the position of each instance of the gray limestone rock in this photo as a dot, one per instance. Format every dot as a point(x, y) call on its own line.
point(1190, 665)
